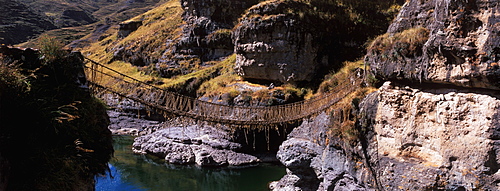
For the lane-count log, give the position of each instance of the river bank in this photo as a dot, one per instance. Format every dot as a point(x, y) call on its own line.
point(144, 172)
point(185, 141)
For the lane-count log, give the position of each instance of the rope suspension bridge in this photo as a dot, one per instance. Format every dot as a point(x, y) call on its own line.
point(105, 79)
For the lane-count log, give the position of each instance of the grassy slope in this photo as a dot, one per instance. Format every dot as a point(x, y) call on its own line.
point(105, 12)
point(159, 25)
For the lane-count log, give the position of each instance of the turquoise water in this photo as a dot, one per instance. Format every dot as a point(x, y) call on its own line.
point(136, 172)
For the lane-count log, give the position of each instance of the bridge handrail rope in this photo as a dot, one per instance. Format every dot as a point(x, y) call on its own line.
point(179, 104)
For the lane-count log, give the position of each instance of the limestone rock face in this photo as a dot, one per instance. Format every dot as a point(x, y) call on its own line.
point(434, 138)
point(461, 47)
point(428, 136)
point(273, 45)
point(433, 126)
point(413, 139)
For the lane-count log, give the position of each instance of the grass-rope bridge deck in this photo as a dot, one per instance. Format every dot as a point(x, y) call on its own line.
point(106, 79)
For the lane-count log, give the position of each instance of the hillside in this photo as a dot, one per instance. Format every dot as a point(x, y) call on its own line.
point(72, 19)
point(179, 45)
point(20, 23)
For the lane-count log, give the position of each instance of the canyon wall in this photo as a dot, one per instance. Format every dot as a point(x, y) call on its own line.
point(434, 123)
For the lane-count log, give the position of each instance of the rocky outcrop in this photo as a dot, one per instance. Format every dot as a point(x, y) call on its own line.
point(433, 126)
point(412, 139)
point(315, 161)
point(205, 36)
point(461, 46)
point(273, 45)
point(63, 141)
point(207, 31)
point(126, 123)
point(203, 146)
point(286, 41)
point(128, 27)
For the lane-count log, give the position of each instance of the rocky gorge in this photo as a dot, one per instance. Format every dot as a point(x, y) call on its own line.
point(432, 126)
point(268, 30)
point(425, 118)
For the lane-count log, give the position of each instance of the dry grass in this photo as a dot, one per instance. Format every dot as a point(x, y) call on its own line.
point(159, 25)
point(343, 118)
point(219, 85)
point(50, 48)
point(404, 44)
point(334, 79)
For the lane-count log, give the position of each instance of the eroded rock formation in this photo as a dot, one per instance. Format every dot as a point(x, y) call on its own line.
point(461, 47)
point(208, 23)
point(205, 36)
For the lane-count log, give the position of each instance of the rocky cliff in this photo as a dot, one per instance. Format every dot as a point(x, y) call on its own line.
point(433, 138)
point(206, 34)
point(432, 126)
point(443, 42)
point(300, 41)
point(54, 134)
point(277, 46)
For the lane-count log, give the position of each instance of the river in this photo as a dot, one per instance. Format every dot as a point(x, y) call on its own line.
point(137, 173)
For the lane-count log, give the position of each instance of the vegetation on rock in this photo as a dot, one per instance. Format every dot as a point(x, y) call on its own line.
point(54, 133)
point(408, 43)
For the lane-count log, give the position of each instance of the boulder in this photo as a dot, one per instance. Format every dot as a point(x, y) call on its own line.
point(203, 146)
point(314, 162)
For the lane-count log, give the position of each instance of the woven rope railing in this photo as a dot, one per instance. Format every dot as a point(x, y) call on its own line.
point(177, 104)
